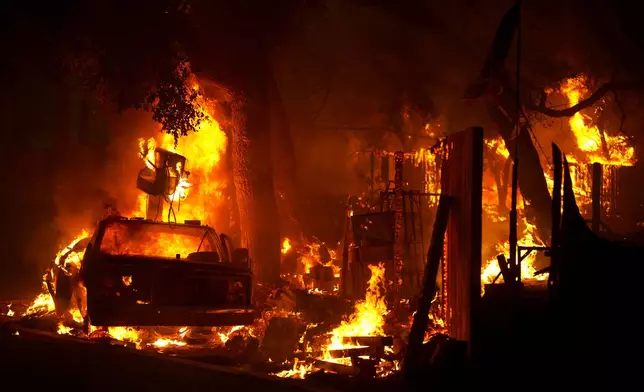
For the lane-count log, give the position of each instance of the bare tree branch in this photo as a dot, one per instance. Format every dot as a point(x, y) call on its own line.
point(586, 103)
point(622, 113)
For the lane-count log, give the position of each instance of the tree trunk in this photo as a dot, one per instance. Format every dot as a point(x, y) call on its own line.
point(253, 178)
point(284, 173)
point(252, 167)
point(231, 193)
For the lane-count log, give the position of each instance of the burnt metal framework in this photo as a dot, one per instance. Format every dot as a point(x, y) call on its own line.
point(405, 253)
point(407, 249)
point(409, 241)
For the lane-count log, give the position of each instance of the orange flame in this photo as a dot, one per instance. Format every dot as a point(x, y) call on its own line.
point(203, 150)
point(596, 144)
point(368, 316)
point(286, 246)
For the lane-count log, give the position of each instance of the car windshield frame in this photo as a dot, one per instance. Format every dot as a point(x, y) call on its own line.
point(134, 227)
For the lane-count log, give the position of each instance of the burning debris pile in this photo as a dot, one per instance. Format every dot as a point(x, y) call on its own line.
point(358, 345)
point(313, 267)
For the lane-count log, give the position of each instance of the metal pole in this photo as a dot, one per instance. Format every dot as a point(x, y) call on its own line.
point(596, 196)
point(372, 185)
point(514, 262)
point(556, 214)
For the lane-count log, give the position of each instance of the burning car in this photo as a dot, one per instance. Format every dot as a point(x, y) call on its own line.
point(148, 273)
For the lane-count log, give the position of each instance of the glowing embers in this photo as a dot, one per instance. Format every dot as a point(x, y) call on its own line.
point(203, 192)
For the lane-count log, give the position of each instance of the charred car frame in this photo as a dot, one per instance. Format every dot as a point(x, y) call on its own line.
point(140, 272)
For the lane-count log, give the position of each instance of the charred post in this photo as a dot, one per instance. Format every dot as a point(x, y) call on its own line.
point(462, 178)
point(399, 218)
point(428, 292)
point(514, 262)
point(556, 214)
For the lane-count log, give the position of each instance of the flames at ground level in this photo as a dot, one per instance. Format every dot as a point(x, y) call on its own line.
point(368, 319)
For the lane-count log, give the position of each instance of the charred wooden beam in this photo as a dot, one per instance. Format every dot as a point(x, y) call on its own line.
point(355, 352)
point(524, 251)
point(349, 352)
point(506, 272)
point(337, 368)
point(369, 341)
point(514, 263)
point(340, 353)
point(462, 178)
point(434, 254)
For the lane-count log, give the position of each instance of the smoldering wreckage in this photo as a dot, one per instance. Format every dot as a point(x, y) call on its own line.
point(441, 260)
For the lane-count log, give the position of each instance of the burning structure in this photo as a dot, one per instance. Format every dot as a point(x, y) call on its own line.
point(446, 229)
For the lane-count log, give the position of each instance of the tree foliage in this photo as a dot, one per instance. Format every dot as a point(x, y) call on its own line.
point(136, 54)
point(174, 103)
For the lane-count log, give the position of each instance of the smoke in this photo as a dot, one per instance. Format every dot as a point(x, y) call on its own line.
point(103, 173)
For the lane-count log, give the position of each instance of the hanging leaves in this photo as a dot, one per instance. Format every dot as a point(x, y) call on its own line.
point(175, 104)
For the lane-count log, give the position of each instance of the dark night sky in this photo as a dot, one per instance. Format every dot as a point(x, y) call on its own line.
point(55, 133)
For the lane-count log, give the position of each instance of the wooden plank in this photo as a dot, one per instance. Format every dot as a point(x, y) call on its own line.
point(374, 351)
point(369, 341)
point(337, 368)
point(462, 178)
point(506, 272)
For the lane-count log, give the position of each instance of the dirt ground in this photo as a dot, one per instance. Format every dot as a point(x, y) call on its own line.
point(77, 366)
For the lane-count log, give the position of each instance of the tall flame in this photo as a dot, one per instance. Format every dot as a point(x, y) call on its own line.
point(368, 317)
point(527, 237)
point(286, 246)
point(199, 193)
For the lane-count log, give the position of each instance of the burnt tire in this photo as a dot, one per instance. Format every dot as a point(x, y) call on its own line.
point(63, 294)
